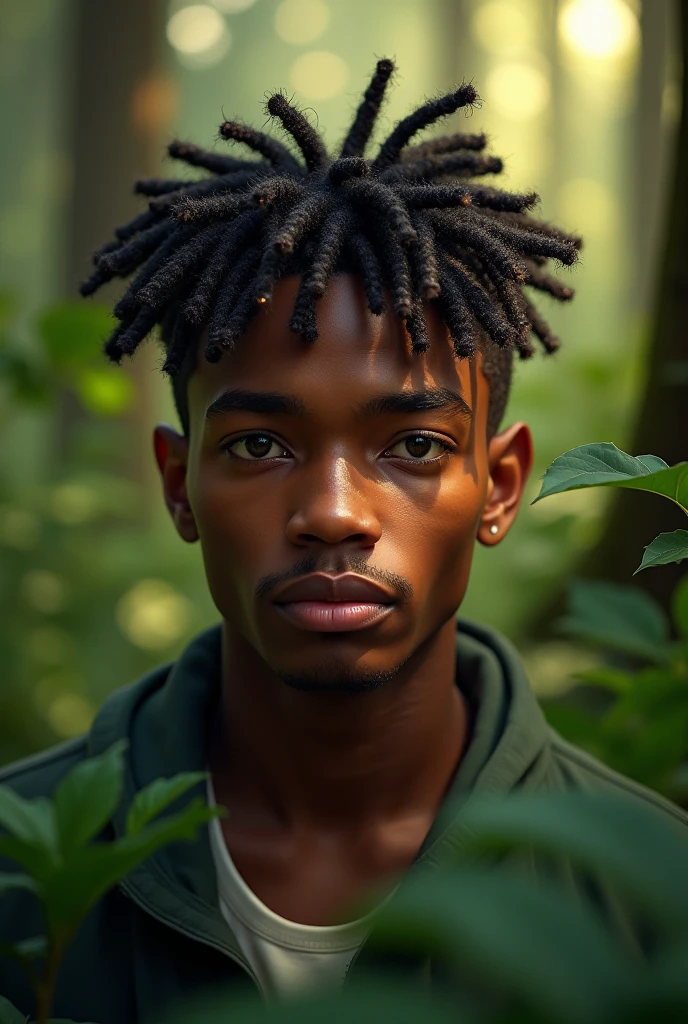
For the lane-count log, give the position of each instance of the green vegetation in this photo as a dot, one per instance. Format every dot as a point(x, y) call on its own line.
point(53, 843)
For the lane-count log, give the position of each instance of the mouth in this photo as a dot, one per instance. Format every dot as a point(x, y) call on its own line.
point(334, 604)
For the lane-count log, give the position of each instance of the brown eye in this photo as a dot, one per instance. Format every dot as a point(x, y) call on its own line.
point(255, 447)
point(419, 448)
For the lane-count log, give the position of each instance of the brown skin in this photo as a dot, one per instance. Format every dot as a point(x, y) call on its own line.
point(333, 750)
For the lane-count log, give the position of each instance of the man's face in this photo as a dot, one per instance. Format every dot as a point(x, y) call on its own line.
point(309, 467)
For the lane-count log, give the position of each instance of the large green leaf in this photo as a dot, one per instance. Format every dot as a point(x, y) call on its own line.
point(605, 465)
point(526, 937)
point(86, 799)
point(635, 847)
point(375, 1001)
point(73, 333)
point(666, 548)
point(10, 1014)
point(149, 802)
point(35, 858)
point(90, 871)
point(620, 617)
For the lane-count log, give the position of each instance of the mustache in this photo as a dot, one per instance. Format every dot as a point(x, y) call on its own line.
point(347, 563)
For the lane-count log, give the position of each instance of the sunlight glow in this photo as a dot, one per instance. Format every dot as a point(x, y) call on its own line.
point(599, 29)
point(517, 90)
point(503, 27)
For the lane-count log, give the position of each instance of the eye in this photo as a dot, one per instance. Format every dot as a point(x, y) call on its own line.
point(256, 447)
point(419, 448)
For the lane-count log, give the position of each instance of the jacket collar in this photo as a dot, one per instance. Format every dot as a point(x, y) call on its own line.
point(164, 717)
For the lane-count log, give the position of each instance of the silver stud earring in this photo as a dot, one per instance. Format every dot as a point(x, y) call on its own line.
point(494, 529)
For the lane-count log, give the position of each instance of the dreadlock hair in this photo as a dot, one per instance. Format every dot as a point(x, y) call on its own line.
point(412, 222)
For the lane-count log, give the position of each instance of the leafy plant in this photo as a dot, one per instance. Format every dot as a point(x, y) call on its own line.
point(68, 868)
point(641, 729)
point(604, 465)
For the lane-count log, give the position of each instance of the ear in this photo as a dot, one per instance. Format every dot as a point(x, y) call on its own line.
point(510, 458)
point(172, 454)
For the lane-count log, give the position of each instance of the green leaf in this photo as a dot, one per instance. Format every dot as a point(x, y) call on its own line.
point(523, 936)
point(149, 802)
point(86, 799)
point(666, 548)
point(11, 880)
point(610, 679)
point(610, 836)
point(31, 823)
point(10, 1014)
point(605, 465)
point(622, 618)
point(679, 606)
point(373, 1001)
point(91, 870)
point(73, 333)
point(26, 951)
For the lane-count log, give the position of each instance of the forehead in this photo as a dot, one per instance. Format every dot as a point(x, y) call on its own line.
point(357, 355)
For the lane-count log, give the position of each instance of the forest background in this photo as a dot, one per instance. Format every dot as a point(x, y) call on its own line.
point(583, 99)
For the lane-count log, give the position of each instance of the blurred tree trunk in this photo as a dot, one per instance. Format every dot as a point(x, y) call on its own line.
point(661, 429)
point(121, 101)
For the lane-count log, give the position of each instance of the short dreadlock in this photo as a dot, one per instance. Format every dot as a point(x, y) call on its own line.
point(410, 222)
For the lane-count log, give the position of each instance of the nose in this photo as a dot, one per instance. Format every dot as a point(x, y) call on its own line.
point(332, 508)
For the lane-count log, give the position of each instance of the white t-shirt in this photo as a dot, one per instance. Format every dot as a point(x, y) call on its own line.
point(287, 958)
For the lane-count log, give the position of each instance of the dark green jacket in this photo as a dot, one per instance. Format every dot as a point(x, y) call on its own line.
point(160, 935)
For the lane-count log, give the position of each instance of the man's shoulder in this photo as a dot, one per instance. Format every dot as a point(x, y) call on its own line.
point(580, 770)
point(40, 774)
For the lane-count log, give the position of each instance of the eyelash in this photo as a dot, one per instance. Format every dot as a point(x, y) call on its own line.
point(446, 445)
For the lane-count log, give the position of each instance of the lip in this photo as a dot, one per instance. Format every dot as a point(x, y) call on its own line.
point(323, 587)
point(322, 603)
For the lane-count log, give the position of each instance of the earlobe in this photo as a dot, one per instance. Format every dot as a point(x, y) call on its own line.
point(510, 457)
point(171, 454)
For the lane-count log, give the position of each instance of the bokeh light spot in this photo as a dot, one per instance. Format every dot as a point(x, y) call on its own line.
point(517, 90)
point(70, 714)
point(300, 22)
point(599, 29)
point(319, 75)
point(152, 615)
point(19, 528)
point(199, 35)
point(44, 590)
point(232, 6)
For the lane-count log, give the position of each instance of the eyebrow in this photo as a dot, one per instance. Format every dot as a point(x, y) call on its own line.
point(272, 402)
point(262, 402)
point(417, 401)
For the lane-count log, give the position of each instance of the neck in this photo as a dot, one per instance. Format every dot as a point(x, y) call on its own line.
point(338, 759)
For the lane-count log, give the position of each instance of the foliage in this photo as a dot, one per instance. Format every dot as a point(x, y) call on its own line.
point(640, 727)
point(68, 864)
point(604, 465)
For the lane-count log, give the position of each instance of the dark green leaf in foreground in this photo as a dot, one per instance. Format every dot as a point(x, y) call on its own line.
point(369, 1002)
point(86, 799)
point(10, 880)
point(605, 465)
point(9, 1014)
point(620, 617)
point(666, 548)
point(156, 797)
point(92, 870)
point(519, 935)
point(32, 832)
point(612, 837)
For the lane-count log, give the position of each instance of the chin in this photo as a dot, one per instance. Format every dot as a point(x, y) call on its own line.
point(336, 676)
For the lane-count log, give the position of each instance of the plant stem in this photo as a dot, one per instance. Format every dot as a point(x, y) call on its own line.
point(45, 987)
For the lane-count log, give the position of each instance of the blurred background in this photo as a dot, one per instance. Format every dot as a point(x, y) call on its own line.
point(583, 99)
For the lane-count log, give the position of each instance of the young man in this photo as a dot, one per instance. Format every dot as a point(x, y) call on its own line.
point(339, 335)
